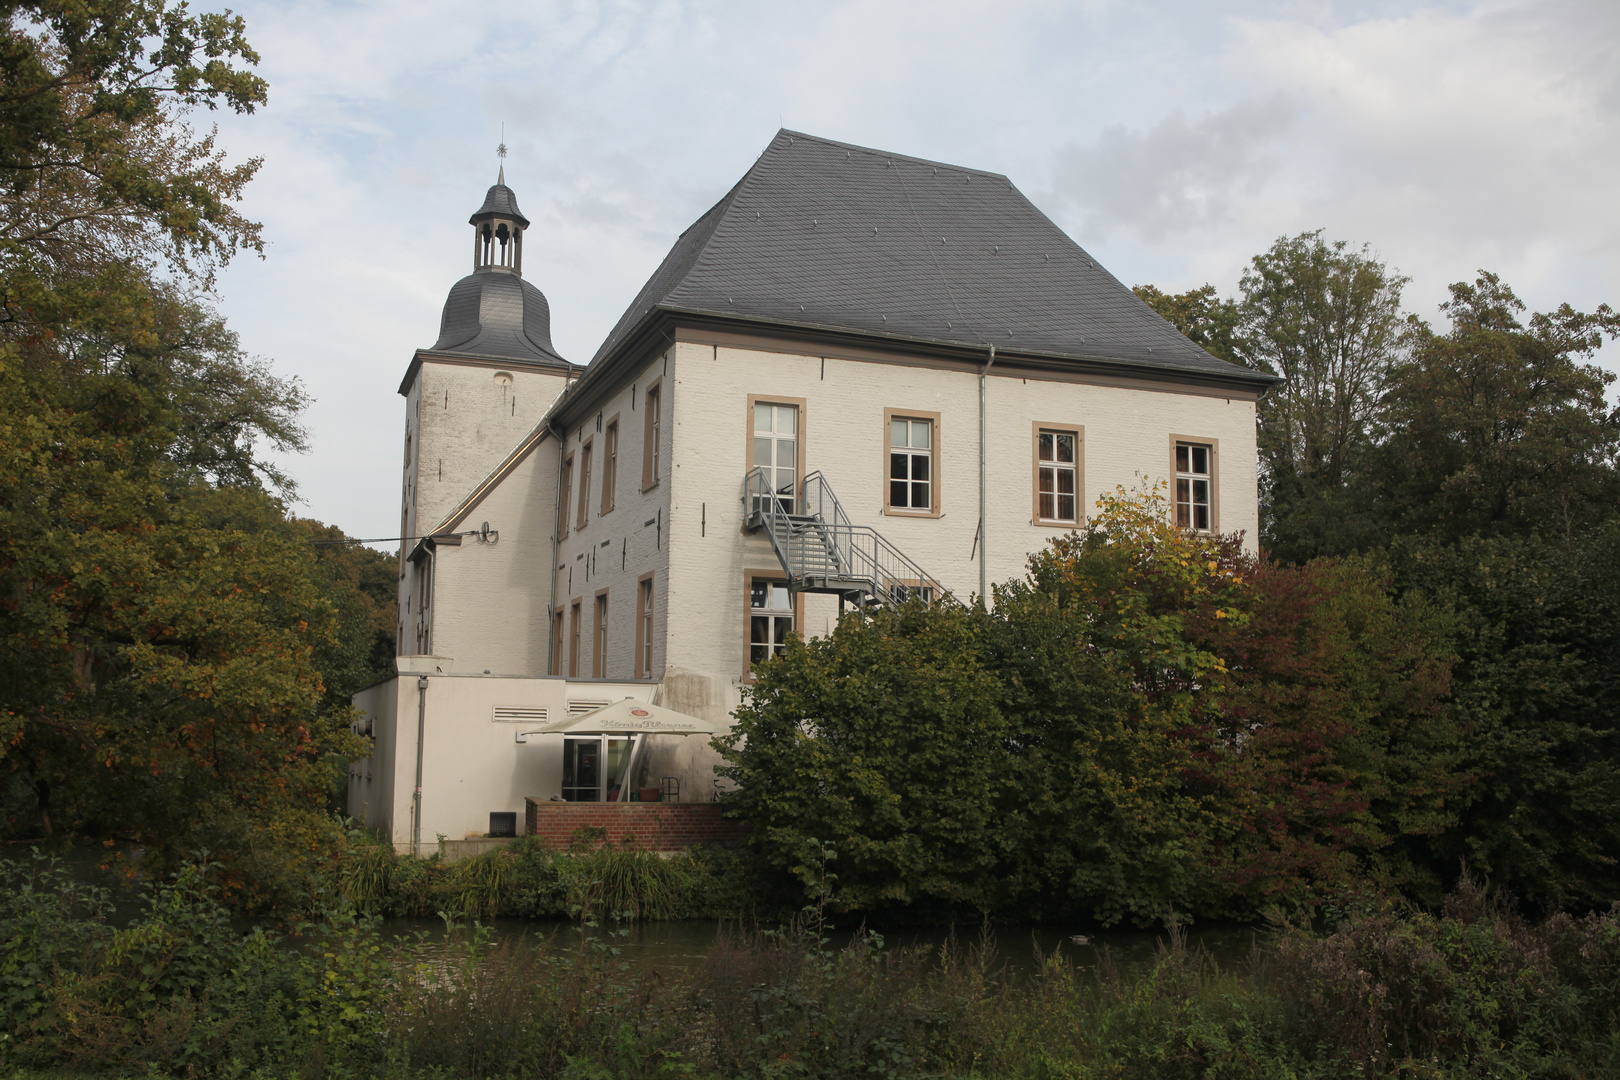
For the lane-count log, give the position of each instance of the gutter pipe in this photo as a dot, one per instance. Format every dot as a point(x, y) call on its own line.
point(554, 663)
point(984, 538)
point(421, 731)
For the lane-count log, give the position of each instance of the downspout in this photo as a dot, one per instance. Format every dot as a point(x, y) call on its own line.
point(984, 524)
point(421, 731)
point(554, 663)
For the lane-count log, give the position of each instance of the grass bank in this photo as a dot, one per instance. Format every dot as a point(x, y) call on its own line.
point(1470, 991)
point(528, 879)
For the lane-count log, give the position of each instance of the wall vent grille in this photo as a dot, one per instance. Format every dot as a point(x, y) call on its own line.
point(520, 714)
point(577, 706)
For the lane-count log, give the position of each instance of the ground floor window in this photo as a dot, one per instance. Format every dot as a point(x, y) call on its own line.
point(599, 649)
point(557, 642)
point(573, 640)
point(770, 618)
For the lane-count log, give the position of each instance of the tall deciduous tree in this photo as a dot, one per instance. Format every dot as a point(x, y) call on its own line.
point(1537, 689)
point(164, 629)
point(96, 164)
point(1202, 315)
point(1327, 319)
point(1496, 427)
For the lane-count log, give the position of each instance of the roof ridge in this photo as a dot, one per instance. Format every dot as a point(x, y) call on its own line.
point(887, 155)
point(901, 248)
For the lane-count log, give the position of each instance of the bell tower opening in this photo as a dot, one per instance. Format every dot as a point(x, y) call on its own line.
point(498, 231)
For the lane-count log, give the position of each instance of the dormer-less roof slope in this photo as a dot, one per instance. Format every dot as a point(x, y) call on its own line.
point(823, 235)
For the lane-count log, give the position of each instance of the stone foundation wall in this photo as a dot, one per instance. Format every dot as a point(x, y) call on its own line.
point(654, 826)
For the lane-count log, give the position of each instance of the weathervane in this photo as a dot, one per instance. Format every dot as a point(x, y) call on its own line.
point(500, 150)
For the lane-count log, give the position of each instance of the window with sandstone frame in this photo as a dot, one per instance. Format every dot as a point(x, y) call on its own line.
point(557, 642)
point(776, 430)
point(652, 433)
point(564, 496)
point(574, 619)
point(1195, 483)
point(911, 463)
point(1059, 473)
point(584, 484)
point(610, 464)
point(599, 646)
point(644, 627)
point(773, 614)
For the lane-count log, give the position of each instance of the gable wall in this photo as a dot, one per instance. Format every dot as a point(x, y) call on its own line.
point(490, 599)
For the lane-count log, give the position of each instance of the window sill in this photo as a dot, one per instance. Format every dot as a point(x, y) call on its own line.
point(1041, 523)
point(895, 511)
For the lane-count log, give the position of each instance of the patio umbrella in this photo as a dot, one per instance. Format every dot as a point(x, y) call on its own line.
point(628, 717)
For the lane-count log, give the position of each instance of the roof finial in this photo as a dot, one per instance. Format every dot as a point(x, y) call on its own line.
point(500, 151)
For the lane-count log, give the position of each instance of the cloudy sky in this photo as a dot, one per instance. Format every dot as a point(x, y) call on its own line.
point(1174, 140)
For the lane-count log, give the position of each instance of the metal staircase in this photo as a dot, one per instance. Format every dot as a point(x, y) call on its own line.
point(822, 551)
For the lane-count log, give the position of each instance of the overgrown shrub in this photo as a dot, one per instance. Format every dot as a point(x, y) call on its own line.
point(1153, 725)
point(529, 879)
point(1468, 993)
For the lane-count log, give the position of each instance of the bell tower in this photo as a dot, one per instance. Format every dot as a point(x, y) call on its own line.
point(471, 401)
point(498, 231)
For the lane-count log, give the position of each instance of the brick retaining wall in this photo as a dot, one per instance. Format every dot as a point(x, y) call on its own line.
point(654, 826)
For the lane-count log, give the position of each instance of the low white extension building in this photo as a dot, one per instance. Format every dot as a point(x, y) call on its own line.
point(859, 374)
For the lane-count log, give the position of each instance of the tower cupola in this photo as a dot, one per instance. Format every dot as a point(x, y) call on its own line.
point(498, 230)
point(493, 312)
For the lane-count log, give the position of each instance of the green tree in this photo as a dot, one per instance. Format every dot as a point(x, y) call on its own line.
point(1107, 690)
point(1535, 690)
point(363, 584)
point(164, 629)
point(1328, 320)
point(96, 164)
point(1495, 428)
point(883, 740)
point(1200, 314)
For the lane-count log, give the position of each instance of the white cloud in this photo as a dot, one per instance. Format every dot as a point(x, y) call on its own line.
point(1176, 139)
point(1179, 175)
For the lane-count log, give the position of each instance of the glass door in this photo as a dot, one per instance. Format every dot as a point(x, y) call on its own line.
point(776, 451)
point(591, 768)
point(582, 770)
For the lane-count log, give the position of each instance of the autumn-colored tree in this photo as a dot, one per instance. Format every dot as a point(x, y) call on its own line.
point(1333, 751)
point(1106, 691)
point(164, 629)
point(1154, 724)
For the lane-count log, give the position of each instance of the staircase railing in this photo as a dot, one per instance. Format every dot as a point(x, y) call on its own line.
point(821, 550)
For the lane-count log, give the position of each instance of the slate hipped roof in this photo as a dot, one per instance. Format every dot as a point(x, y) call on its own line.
point(825, 235)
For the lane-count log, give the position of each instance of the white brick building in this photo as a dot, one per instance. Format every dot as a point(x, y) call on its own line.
point(915, 337)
